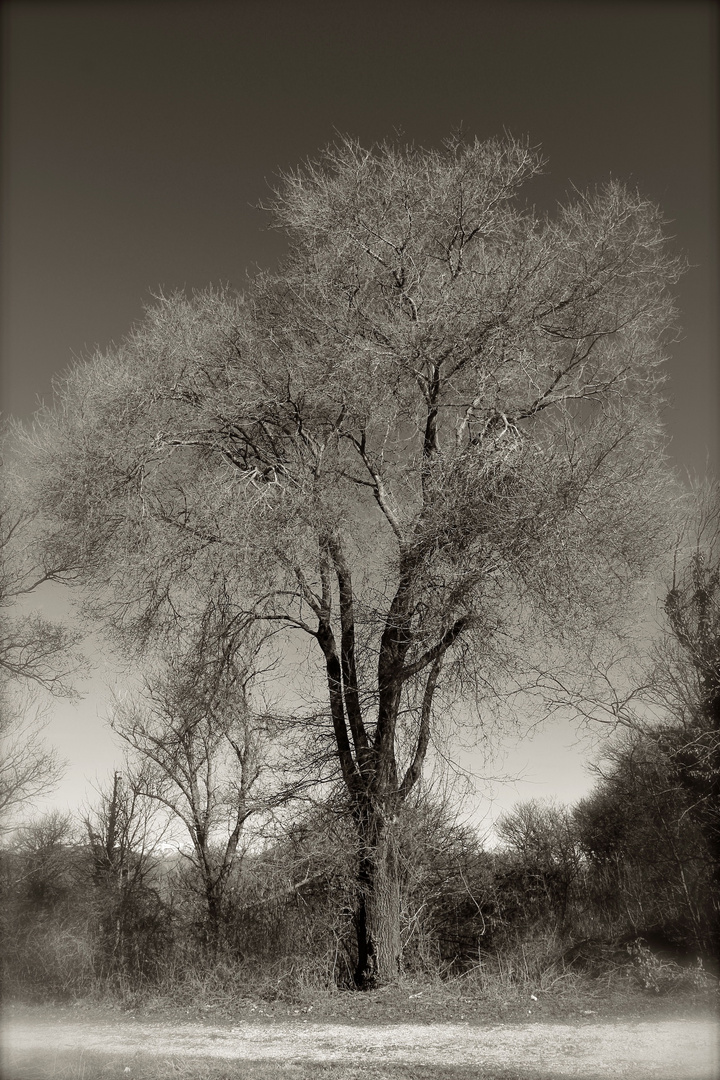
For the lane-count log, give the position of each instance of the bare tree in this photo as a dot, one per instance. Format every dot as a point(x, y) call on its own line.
point(683, 684)
point(666, 690)
point(202, 752)
point(123, 833)
point(660, 787)
point(542, 838)
point(433, 431)
point(687, 664)
point(28, 768)
point(35, 653)
point(121, 830)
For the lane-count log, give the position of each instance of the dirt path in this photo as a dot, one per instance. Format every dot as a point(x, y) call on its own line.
point(677, 1049)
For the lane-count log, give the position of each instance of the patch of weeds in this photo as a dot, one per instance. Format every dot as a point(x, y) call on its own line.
point(665, 977)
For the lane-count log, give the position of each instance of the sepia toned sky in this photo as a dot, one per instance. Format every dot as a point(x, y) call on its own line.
point(138, 138)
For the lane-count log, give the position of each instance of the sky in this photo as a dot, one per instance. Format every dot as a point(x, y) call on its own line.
point(139, 137)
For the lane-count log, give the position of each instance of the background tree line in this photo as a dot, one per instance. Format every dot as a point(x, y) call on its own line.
point(94, 907)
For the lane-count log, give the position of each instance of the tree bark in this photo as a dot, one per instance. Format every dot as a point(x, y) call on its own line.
point(377, 914)
point(213, 918)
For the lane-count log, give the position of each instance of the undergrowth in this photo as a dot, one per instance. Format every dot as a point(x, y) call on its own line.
point(526, 980)
point(521, 985)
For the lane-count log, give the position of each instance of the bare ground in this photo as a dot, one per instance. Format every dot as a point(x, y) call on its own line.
point(40, 1043)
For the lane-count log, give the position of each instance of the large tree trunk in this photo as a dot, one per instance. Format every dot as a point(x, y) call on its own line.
point(212, 928)
point(377, 914)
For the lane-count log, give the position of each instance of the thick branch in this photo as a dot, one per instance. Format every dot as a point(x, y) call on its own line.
point(333, 670)
point(241, 817)
point(394, 644)
point(347, 649)
point(379, 491)
point(430, 441)
point(415, 768)
point(449, 637)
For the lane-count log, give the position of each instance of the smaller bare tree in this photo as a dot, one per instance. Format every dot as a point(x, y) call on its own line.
point(202, 752)
point(123, 832)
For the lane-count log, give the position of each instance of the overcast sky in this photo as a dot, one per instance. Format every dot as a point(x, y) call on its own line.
point(138, 138)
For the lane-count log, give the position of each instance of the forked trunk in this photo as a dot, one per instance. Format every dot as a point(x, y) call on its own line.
point(377, 915)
